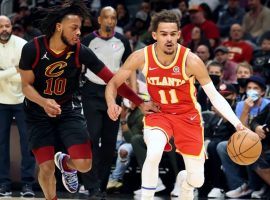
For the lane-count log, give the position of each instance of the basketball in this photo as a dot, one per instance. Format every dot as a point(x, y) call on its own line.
point(244, 147)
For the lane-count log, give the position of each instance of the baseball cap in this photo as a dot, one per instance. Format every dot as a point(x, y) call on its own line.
point(257, 79)
point(195, 7)
point(226, 89)
point(222, 49)
point(141, 16)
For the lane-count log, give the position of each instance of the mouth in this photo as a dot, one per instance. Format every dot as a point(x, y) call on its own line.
point(169, 45)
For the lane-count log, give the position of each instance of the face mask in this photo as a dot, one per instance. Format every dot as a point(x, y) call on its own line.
point(215, 79)
point(253, 94)
point(242, 82)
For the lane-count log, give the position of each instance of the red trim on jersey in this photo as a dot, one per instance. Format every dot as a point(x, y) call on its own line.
point(44, 154)
point(46, 42)
point(77, 61)
point(38, 53)
point(105, 74)
point(80, 151)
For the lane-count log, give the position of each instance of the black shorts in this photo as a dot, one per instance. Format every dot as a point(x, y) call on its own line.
point(69, 127)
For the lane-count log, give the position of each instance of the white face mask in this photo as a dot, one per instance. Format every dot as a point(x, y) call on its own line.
point(253, 94)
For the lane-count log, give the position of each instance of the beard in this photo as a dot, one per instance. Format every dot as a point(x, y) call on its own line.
point(5, 36)
point(65, 40)
point(169, 52)
point(108, 29)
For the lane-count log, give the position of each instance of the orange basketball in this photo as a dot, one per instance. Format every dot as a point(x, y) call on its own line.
point(244, 148)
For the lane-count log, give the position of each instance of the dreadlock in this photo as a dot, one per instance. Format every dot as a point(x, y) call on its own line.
point(57, 13)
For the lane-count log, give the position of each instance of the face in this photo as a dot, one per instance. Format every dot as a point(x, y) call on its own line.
point(120, 10)
point(214, 70)
point(70, 29)
point(255, 86)
point(5, 29)
point(265, 45)
point(196, 17)
point(203, 53)
point(167, 35)
point(252, 4)
point(221, 57)
point(233, 4)
point(107, 20)
point(243, 72)
point(182, 7)
point(236, 32)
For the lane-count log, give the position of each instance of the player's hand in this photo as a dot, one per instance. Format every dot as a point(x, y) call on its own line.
point(52, 108)
point(149, 107)
point(114, 111)
point(241, 127)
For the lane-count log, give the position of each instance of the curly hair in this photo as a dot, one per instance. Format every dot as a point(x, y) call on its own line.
point(57, 13)
point(164, 16)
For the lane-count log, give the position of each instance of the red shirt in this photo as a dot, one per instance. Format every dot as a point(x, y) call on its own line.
point(209, 28)
point(239, 51)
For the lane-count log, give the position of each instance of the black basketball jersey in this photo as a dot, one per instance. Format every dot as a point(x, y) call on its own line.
point(57, 75)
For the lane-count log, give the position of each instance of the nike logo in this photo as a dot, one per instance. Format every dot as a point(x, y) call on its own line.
point(152, 68)
point(192, 118)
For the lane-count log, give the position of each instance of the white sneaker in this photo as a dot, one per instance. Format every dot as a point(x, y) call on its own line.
point(160, 187)
point(176, 190)
point(239, 192)
point(82, 190)
point(259, 194)
point(216, 193)
point(185, 193)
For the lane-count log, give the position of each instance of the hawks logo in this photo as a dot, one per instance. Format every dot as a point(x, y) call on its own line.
point(176, 69)
point(55, 69)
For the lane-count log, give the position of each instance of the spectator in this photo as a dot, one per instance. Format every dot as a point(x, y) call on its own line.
point(231, 14)
point(197, 18)
point(239, 50)
point(183, 7)
point(218, 129)
point(256, 21)
point(243, 72)
point(122, 15)
point(11, 105)
point(111, 48)
point(229, 67)
point(204, 52)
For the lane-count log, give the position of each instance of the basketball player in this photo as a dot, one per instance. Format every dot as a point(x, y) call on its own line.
point(50, 67)
point(170, 70)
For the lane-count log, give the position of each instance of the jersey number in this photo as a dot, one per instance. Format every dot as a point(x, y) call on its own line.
point(57, 86)
point(173, 97)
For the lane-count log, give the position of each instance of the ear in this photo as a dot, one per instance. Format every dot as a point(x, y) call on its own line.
point(179, 35)
point(154, 35)
point(58, 27)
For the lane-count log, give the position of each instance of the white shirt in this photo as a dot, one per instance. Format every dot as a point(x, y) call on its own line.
point(10, 80)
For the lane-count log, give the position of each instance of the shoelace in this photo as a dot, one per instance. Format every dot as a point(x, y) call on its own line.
point(72, 179)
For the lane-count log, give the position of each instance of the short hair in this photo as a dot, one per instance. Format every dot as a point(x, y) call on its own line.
point(216, 64)
point(164, 16)
point(57, 13)
point(245, 65)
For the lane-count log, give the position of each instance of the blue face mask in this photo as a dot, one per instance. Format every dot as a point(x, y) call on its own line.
point(253, 94)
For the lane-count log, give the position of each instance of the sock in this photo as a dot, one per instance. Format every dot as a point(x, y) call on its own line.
point(64, 164)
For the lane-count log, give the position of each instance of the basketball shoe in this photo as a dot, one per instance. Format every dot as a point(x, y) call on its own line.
point(69, 179)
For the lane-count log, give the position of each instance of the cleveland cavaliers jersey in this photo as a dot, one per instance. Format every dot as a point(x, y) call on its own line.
point(169, 86)
point(57, 75)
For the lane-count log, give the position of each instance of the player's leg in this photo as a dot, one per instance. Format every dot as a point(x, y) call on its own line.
point(192, 177)
point(155, 140)
point(44, 157)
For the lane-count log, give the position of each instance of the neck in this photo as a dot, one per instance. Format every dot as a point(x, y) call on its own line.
point(56, 44)
point(164, 58)
point(105, 34)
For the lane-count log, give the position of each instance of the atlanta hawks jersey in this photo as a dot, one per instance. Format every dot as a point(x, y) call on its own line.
point(57, 75)
point(169, 86)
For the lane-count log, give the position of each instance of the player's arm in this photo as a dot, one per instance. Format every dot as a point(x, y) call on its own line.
point(28, 78)
point(195, 67)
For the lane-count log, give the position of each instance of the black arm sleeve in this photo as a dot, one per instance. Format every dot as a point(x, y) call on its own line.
point(28, 56)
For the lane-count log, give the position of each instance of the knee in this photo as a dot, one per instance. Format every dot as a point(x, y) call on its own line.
point(83, 165)
point(123, 154)
point(47, 169)
point(196, 180)
point(154, 156)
